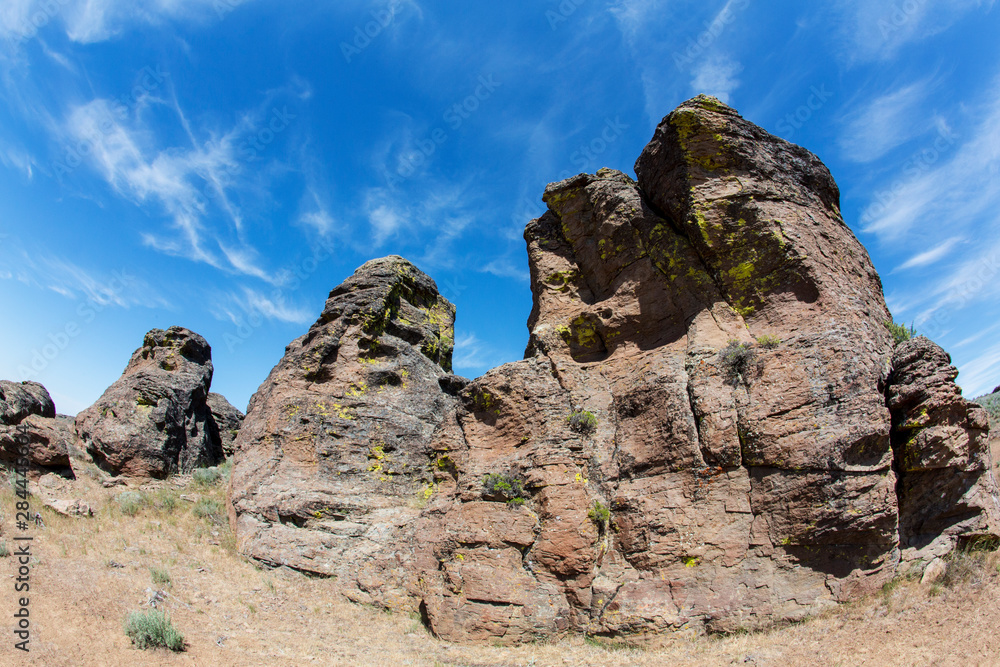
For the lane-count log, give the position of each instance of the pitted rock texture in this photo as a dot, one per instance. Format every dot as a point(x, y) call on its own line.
point(947, 489)
point(27, 412)
point(630, 475)
point(225, 423)
point(155, 420)
point(334, 463)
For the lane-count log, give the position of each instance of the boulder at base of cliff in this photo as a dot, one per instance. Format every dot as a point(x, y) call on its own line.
point(28, 418)
point(155, 419)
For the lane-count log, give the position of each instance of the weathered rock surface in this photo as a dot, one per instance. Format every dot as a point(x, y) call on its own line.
point(27, 411)
point(155, 420)
point(947, 489)
point(631, 474)
point(225, 423)
point(20, 399)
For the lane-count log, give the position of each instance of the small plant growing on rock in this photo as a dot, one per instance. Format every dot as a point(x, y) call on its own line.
point(152, 629)
point(582, 421)
point(900, 332)
point(768, 342)
point(600, 514)
point(506, 487)
point(738, 361)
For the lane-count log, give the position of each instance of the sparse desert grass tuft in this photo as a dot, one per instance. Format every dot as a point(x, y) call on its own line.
point(211, 509)
point(166, 500)
point(4, 550)
point(151, 629)
point(131, 502)
point(160, 576)
point(206, 476)
point(972, 564)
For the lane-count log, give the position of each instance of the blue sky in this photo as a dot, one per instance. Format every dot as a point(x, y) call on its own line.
point(222, 164)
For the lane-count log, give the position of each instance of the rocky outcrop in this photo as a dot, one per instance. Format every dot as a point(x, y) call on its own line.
point(697, 438)
point(28, 414)
point(20, 399)
point(225, 423)
point(155, 420)
point(947, 490)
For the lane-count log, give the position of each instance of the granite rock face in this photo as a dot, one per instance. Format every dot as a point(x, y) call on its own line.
point(225, 423)
point(155, 420)
point(697, 438)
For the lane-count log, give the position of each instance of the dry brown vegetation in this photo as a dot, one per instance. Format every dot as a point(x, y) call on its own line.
point(89, 574)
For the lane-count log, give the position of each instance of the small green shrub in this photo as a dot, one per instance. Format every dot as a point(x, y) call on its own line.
point(738, 361)
point(506, 487)
point(582, 421)
point(600, 514)
point(131, 502)
point(768, 342)
point(900, 332)
point(165, 500)
point(206, 476)
point(160, 577)
point(211, 509)
point(4, 550)
point(152, 629)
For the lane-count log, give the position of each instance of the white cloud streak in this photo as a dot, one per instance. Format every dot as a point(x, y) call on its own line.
point(716, 76)
point(887, 122)
point(89, 21)
point(930, 256)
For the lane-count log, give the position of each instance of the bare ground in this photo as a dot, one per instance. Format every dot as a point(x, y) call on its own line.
point(89, 574)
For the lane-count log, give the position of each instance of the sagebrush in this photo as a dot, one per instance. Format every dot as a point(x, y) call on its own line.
point(582, 421)
point(739, 361)
point(151, 629)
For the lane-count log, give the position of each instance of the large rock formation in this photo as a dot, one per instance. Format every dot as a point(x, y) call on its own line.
point(155, 420)
point(698, 436)
point(942, 452)
point(27, 412)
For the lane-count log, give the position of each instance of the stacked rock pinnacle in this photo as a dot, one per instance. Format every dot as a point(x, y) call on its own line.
point(706, 431)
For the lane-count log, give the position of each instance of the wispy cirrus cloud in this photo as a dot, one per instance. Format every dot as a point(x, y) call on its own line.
point(248, 303)
point(89, 21)
point(886, 122)
point(979, 375)
point(956, 186)
point(716, 76)
point(931, 256)
point(879, 29)
point(193, 184)
point(121, 288)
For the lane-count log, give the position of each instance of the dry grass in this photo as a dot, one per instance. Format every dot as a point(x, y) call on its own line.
point(232, 613)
